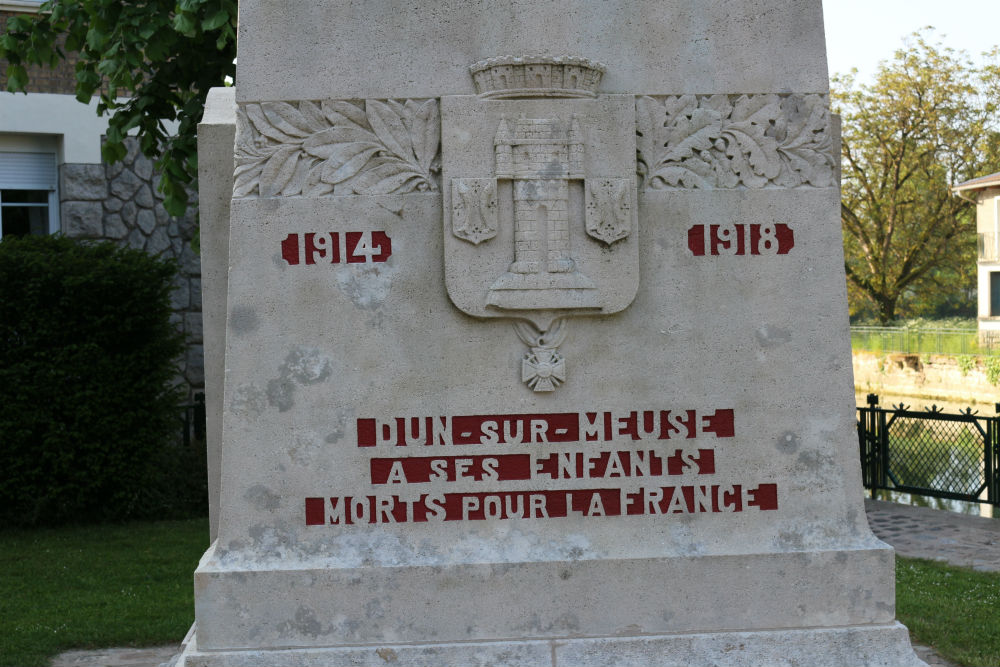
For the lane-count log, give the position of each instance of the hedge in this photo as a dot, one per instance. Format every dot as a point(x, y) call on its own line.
point(89, 403)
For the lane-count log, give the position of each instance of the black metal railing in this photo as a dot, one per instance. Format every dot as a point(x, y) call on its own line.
point(194, 420)
point(929, 452)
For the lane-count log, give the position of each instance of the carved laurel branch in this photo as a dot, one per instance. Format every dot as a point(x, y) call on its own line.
point(337, 147)
point(721, 141)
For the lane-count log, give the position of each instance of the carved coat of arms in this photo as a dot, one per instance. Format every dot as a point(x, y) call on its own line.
point(540, 222)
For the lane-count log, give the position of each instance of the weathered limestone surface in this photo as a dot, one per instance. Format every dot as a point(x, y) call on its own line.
point(216, 135)
point(539, 362)
point(650, 48)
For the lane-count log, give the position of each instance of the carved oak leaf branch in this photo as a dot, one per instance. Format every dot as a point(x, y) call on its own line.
point(753, 154)
point(336, 147)
point(806, 150)
point(671, 141)
point(649, 134)
point(756, 141)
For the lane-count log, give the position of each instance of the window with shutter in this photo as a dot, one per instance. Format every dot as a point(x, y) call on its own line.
point(28, 199)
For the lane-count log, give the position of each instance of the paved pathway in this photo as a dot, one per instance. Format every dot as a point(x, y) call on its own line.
point(921, 532)
point(916, 532)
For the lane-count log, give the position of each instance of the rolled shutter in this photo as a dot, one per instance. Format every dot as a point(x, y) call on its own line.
point(27, 171)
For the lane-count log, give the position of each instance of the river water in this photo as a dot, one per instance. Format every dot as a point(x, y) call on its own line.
point(889, 401)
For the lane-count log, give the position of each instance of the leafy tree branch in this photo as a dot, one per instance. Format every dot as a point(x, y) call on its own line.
point(149, 63)
point(927, 121)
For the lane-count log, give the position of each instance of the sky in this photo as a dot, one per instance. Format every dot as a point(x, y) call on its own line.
point(860, 33)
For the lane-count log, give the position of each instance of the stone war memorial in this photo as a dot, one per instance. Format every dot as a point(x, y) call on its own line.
point(535, 342)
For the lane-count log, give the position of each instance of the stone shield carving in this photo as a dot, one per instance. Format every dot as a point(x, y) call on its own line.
point(474, 209)
point(609, 204)
point(540, 221)
point(539, 188)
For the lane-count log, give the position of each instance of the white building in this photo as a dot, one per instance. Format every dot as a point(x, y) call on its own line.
point(985, 193)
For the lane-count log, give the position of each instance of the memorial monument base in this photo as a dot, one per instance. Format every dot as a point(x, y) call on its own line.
point(675, 610)
point(886, 644)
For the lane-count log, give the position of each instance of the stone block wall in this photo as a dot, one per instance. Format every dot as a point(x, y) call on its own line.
point(120, 202)
point(932, 377)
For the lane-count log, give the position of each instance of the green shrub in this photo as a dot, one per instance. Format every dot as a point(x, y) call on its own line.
point(89, 419)
point(993, 370)
point(966, 362)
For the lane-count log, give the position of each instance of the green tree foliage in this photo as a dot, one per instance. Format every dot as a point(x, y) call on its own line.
point(927, 122)
point(150, 62)
point(90, 423)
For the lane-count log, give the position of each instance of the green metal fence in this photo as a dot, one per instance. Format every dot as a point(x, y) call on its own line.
point(921, 341)
point(929, 453)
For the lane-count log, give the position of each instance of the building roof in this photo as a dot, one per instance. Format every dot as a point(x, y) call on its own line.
point(981, 183)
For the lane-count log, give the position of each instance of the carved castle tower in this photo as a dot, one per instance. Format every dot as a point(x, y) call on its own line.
point(541, 157)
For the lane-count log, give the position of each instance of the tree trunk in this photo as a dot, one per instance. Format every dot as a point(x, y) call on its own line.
point(886, 309)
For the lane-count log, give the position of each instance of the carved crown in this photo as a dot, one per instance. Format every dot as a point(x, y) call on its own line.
point(537, 76)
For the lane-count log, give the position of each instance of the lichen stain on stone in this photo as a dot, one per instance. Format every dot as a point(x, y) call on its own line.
point(382, 550)
point(351, 627)
point(791, 541)
point(248, 399)
point(387, 654)
point(813, 461)
point(262, 499)
point(373, 609)
point(243, 320)
point(305, 623)
point(306, 366)
point(366, 285)
point(306, 448)
point(339, 428)
point(788, 442)
point(280, 394)
point(302, 366)
point(770, 336)
point(852, 522)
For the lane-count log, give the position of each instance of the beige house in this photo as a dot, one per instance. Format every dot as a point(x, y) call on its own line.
point(985, 193)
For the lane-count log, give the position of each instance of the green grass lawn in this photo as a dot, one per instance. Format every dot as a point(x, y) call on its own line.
point(96, 587)
point(130, 585)
point(955, 610)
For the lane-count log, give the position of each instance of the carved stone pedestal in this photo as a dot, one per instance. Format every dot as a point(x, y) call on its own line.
point(524, 354)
